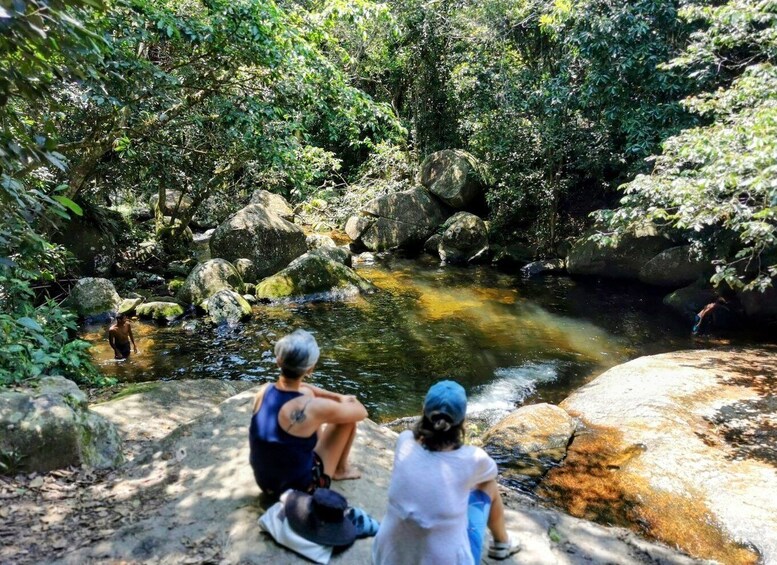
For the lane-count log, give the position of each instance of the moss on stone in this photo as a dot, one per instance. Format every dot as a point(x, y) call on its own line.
point(308, 275)
point(135, 388)
point(160, 311)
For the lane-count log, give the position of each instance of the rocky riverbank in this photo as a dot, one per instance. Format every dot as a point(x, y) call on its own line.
point(683, 447)
point(187, 495)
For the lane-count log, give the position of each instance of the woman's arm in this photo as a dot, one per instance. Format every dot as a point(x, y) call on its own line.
point(322, 393)
point(337, 412)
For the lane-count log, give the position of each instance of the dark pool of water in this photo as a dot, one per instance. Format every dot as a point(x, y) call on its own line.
point(506, 339)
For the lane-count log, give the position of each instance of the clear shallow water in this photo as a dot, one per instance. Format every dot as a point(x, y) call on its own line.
point(507, 340)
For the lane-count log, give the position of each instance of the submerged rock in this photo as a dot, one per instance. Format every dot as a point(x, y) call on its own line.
point(312, 276)
point(453, 176)
point(401, 219)
point(50, 427)
point(545, 267)
point(673, 267)
point(94, 298)
point(684, 445)
point(273, 203)
point(261, 236)
point(206, 279)
point(625, 260)
point(464, 239)
point(227, 307)
point(162, 312)
point(511, 258)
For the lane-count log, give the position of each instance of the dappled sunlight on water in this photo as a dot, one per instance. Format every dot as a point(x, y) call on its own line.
point(507, 340)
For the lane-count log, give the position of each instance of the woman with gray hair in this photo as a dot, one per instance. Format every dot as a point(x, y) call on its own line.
point(301, 435)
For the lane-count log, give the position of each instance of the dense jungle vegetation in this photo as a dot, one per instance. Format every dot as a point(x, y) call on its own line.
point(585, 113)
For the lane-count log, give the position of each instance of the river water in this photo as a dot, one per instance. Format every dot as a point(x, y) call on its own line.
point(508, 340)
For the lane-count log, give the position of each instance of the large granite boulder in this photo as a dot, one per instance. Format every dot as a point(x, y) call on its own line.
point(245, 268)
point(453, 176)
point(531, 439)
point(273, 203)
point(683, 445)
point(227, 307)
point(356, 225)
point(206, 279)
point(173, 199)
point(624, 260)
point(261, 236)
point(312, 276)
point(401, 219)
point(51, 427)
point(689, 301)
point(673, 267)
point(340, 254)
point(316, 240)
point(464, 239)
point(760, 306)
point(94, 298)
point(161, 312)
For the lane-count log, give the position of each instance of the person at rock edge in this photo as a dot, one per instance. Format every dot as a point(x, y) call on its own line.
point(300, 435)
point(120, 336)
point(442, 493)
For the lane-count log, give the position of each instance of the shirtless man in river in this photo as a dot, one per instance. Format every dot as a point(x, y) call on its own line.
point(119, 336)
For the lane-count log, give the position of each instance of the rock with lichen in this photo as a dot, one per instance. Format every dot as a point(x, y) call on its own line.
point(312, 276)
point(50, 426)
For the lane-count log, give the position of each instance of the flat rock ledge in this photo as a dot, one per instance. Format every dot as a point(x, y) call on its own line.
point(683, 444)
point(194, 499)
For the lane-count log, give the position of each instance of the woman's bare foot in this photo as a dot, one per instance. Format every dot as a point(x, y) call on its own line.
point(347, 474)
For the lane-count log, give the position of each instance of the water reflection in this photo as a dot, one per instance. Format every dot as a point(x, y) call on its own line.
point(506, 340)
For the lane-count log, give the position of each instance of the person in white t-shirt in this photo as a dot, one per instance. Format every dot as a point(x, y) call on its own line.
point(442, 493)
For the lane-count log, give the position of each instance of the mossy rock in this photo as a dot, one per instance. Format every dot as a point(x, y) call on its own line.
point(175, 285)
point(129, 306)
point(50, 427)
point(227, 307)
point(206, 279)
point(454, 176)
point(312, 276)
point(164, 312)
point(94, 298)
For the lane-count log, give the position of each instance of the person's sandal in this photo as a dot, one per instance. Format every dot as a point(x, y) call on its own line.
point(503, 549)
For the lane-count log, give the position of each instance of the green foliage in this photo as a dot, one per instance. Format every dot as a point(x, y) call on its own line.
point(718, 183)
point(38, 340)
point(389, 168)
point(10, 461)
point(562, 101)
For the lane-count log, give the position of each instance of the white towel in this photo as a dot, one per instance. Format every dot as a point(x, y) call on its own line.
point(274, 523)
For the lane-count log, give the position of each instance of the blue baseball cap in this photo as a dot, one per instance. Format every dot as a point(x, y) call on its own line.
point(447, 398)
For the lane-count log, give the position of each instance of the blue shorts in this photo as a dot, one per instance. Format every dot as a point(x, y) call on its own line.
point(477, 519)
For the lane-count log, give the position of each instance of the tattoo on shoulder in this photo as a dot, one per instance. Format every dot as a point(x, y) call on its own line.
point(297, 416)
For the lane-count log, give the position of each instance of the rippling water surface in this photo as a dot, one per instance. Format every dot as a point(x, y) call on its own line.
point(507, 340)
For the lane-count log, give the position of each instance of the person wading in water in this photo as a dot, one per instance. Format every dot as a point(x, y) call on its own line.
point(120, 336)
